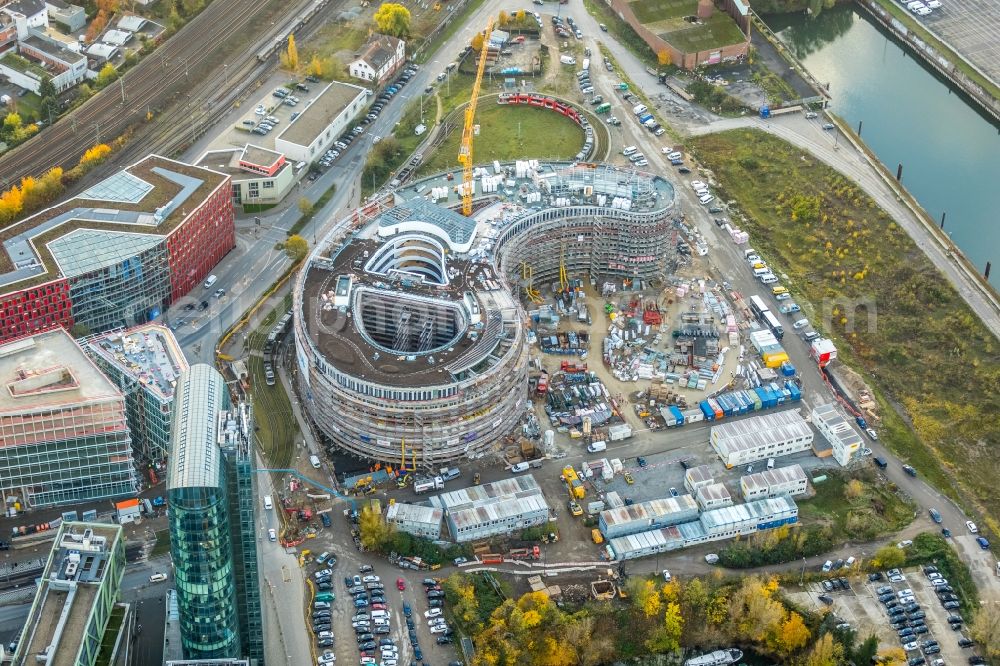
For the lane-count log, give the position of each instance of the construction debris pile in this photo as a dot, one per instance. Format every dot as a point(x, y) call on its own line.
point(577, 401)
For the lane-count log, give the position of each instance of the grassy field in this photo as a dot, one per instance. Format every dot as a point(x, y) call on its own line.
point(858, 511)
point(276, 425)
point(932, 364)
point(511, 132)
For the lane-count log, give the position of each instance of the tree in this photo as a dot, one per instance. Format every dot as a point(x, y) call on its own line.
point(296, 247)
point(477, 42)
point(290, 58)
point(644, 595)
point(374, 530)
point(316, 66)
point(985, 630)
point(393, 19)
point(667, 637)
point(888, 557)
point(792, 636)
point(520, 16)
point(826, 652)
point(503, 19)
point(305, 206)
point(892, 656)
point(95, 155)
point(47, 91)
point(461, 595)
point(663, 57)
point(107, 74)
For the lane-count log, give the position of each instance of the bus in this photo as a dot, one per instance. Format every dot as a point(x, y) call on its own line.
point(603, 108)
point(758, 306)
point(773, 324)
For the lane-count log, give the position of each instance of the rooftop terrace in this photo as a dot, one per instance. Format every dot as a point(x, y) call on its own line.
point(132, 209)
point(149, 354)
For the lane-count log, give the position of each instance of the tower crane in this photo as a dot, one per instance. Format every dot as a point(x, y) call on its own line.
point(465, 151)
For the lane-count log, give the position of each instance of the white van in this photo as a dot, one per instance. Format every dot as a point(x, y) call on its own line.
point(314, 461)
point(706, 199)
point(761, 272)
point(597, 447)
point(639, 109)
point(586, 64)
point(770, 463)
point(268, 504)
point(801, 323)
point(212, 279)
point(519, 467)
point(770, 278)
point(629, 150)
point(157, 577)
point(379, 613)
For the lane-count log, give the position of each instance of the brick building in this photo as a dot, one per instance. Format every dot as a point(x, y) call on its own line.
point(119, 253)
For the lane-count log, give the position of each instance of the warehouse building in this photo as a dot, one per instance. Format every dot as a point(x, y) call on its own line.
point(144, 362)
point(75, 598)
point(322, 122)
point(760, 437)
point(696, 477)
point(501, 507)
point(422, 521)
point(791, 481)
point(64, 437)
point(642, 517)
point(641, 544)
point(834, 425)
point(713, 496)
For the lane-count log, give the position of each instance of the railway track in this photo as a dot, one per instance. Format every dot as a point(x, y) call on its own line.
point(184, 62)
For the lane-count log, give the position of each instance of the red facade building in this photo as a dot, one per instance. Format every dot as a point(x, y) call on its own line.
point(197, 245)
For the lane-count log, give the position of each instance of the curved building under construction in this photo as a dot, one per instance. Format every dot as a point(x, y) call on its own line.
point(410, 334)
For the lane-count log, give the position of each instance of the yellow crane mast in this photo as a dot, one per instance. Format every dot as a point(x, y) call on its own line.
point(465, 151)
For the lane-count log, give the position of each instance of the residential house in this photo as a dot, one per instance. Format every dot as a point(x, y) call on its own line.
point(379, 59)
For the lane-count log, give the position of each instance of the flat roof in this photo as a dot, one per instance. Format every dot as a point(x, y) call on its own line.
point(318, 115)
point(49, 370)
point(714, 492)
point(255, 154)
point(414, 513)
point(148, 353)
point(759, 431)
point(834, 423)
point(76, 569)
point(488, 492)
point(52, 50)
point(699, 474)
point(761, 510)
point(650, 510)
point(151, 197)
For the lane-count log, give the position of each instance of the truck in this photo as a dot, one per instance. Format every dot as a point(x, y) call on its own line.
point(314, 461)
point(425, 486)
point(603, 108)
point(532, 553)
point(449, 473)
point(597, 447)
point(596, 535)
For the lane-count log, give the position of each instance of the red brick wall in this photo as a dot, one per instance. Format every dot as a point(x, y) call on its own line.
point(32, 310)
point(201, 241)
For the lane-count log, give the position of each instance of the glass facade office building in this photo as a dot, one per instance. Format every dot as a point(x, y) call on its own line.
point(212, 539)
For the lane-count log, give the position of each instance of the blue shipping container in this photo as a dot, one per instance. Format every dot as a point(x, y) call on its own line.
point(707, 410)
point(678, 414)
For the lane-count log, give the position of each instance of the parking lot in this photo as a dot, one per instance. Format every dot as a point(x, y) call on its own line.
point(919, 623)
point(376, 590)
point(971, 27)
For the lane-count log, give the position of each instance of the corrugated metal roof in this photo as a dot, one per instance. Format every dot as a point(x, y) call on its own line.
point(699, 474)
point(835, 424)
point(414, 514)
point(501, 510)
point(741, 513)
point(760, 431)
point(650, 510)
point(714, 493)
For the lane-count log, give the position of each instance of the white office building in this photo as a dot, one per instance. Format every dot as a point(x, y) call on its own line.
point(502, 507)
point(422, 521)
point(760, 437)
point(713, 496)
point(836, 427)
point(645, 516)
point(791, 481)
point(328, 116)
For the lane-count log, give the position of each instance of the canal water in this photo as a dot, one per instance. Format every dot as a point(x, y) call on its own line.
point(949, 152)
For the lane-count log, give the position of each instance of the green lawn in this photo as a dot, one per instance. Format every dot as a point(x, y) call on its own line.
point(651, 11)
point(931, 363)
point(509, 132)
point(717, 31)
